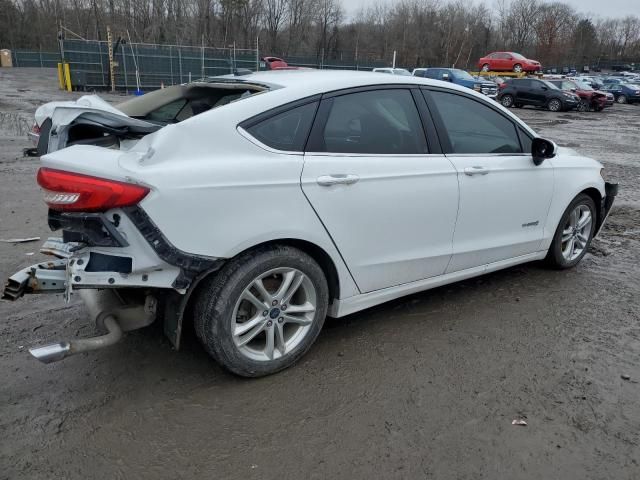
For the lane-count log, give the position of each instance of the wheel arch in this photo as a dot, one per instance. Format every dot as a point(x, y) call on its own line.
point(177, 306)
point(596, 196)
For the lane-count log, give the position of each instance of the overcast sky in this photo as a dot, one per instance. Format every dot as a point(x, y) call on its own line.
point(601, 8)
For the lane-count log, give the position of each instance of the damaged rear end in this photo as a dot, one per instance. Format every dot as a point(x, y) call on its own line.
point(110, 252)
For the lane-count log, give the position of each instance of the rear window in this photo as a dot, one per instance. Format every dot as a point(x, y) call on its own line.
point(286, 131)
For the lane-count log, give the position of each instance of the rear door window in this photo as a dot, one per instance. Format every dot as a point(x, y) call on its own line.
point(374, 122)
point(286, 131)
point(474, 128)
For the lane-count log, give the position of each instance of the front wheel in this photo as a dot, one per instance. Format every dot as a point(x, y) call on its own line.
point(262, 311)
point(554, 105)
point(485, 67)
point(583, 106)
point(507, 101)
point(574, 233)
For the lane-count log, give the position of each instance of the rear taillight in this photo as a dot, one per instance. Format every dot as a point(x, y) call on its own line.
point(35, 129)
point(68, 191)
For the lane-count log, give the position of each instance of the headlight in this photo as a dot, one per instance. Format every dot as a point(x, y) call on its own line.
point(477, 87)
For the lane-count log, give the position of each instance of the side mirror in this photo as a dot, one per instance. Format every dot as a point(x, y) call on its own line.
point(544, 88)
point(541, 149)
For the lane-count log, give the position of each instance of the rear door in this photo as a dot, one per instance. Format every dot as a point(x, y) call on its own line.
point(539, 92)
point(388, 198)
point(523, 91)
point(504, 196)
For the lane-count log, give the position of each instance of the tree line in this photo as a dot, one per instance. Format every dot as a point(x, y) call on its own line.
point(421, 32)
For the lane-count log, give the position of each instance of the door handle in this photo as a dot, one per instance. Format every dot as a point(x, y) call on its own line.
point(476, 170)
point(337, 179)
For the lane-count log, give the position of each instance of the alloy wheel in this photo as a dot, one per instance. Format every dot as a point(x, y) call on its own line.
point(622, 99)
point(576, 232)
point(555, 105)
point(517, 68)
point(273, 314)
point(507, 101)
point(485, 67)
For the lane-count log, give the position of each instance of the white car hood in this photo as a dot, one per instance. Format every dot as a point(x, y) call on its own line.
point(567, 152)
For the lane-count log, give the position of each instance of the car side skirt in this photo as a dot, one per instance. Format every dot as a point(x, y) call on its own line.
point(356, 303)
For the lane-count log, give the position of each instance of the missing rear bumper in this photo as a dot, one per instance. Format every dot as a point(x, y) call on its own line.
point(45, 277)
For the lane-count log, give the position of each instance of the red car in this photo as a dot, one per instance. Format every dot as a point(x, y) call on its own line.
point(508, 62)
point(275, 63)
point(590, 99)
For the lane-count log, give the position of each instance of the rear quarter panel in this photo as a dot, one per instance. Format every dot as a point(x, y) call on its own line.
point(215, 193)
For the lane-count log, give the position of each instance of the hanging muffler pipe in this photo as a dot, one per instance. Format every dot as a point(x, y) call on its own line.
point(110, 313)
point(57, 351)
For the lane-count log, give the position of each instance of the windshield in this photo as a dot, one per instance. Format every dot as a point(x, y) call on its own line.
point(518, 56)
point(632, 85)
point(401, 71)
point(550, 85)
point(583, 85)
point(462, 75)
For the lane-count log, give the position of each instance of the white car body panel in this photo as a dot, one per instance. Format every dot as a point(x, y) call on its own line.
point(66, 111)
point(503, 211)
point(393, 226)
point(216, 193)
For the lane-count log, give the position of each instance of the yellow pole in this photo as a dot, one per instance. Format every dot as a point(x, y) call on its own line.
point(67, 74)
point(60, 77)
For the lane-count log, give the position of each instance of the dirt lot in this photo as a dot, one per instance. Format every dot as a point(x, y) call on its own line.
point(423, 387)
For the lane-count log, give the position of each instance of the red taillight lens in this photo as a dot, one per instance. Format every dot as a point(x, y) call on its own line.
point(73, 192)
point(35, 129)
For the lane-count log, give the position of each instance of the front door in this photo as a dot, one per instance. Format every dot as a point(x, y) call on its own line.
point(389, 205)
point(504, 196)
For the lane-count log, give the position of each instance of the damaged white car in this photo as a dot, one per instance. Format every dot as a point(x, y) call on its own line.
point(327, 193)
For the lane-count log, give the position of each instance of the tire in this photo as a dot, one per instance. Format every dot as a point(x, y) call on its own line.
point(507, 100)
point(622, 99)
point(554, 105)
point(583, 107)
point(485, 67)
point(561, 255)
point(222, 301)
point(517, 68)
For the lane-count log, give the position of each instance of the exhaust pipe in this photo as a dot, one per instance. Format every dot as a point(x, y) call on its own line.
point(57, 351)
point(109, 311)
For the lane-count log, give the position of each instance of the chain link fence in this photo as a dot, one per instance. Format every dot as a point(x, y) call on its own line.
point(148, 66)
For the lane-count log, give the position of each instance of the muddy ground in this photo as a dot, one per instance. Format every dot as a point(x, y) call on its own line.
point(422, 387)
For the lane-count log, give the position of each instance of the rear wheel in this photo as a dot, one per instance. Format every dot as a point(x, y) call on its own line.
point(622, 99)
point(574, 233)
point(262, 311)
point(517, 68)
point(554, 105)
point(507, 100)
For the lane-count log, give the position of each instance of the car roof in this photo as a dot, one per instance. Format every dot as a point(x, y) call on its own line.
point(303, 83)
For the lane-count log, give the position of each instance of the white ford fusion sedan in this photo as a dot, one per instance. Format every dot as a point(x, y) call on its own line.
point(303, 194)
